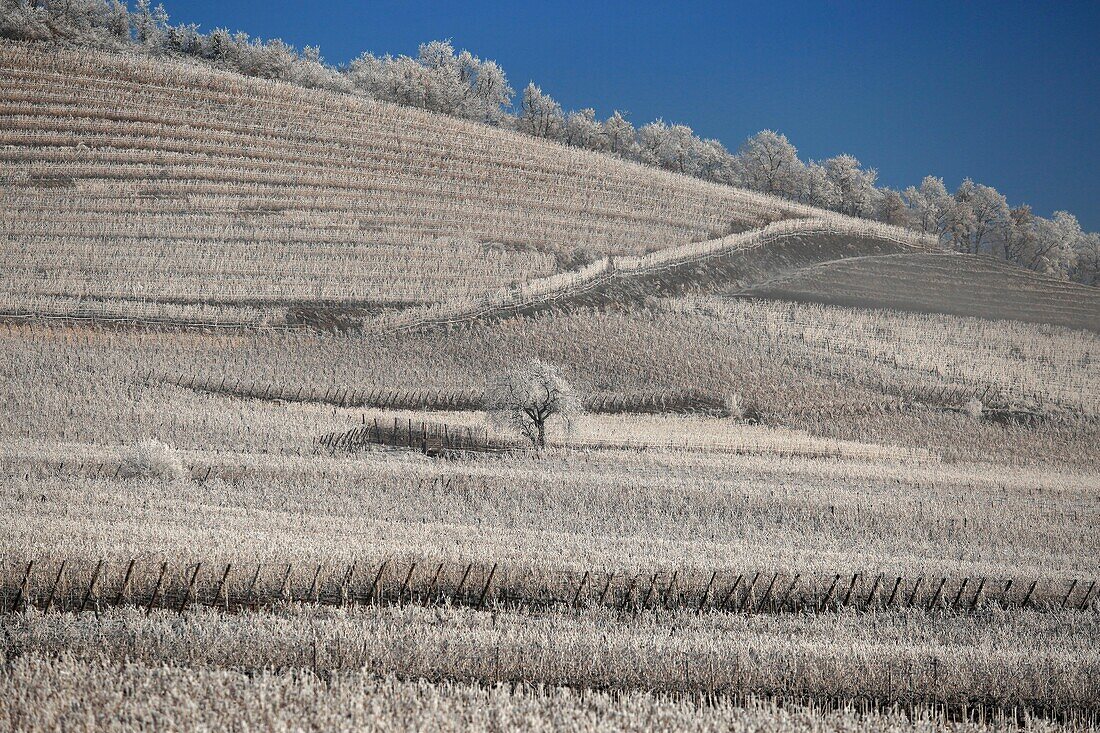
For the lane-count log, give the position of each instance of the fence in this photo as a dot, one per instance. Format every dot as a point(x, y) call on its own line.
point(426, 436)
point(76, 585)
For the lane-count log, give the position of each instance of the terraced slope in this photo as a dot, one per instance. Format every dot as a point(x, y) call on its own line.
point(158, 188)
point(961, 285)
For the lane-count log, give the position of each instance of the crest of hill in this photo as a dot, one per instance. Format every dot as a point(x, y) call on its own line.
point(954, 284)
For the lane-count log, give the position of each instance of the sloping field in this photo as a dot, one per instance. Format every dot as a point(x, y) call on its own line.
point(150, 187)
point(961, 285)
point(705, 267)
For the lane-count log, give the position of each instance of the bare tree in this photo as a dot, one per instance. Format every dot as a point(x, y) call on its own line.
point(528, 396)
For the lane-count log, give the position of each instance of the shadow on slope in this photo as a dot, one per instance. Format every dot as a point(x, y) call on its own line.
point(959, 285)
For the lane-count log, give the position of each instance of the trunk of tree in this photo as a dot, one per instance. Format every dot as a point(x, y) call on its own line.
point(541, 425)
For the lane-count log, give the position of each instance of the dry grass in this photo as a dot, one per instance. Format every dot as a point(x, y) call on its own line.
point(47, 694)
point(1018, 658)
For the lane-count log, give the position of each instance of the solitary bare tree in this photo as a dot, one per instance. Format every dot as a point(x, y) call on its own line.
point(526, 397)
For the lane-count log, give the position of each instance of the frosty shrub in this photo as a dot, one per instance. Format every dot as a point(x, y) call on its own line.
point(974, 408)
point(734, 406)
point(152, 459)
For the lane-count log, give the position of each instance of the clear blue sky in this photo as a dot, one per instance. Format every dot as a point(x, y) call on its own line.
point(1007, 93)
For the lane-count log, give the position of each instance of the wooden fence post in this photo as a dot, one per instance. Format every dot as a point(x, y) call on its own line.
point(649, 592)
point(462, 582)
point(485, 590)
point(580, 586)
point(958, 596)
point(628, 592)
point(374, 587)
point(671, 586)
point(916, 587)
point(405, 584)
point(21, 594)
point(606, 587)
point(851, 587)
point(249, 594)
point(190, 586)
point(222, 587)
point(91, 586)
point(1072, 587)
point(156, 588)
point(344, 593)
point(829, 594)
point(894, 592)
point(125, 582)
point(749, 592)
point(767, 593)
point(1023, 603)
point(706, 591)
point(725, 604)
point(790, 588)
point(1085, 600)
point(314, 590)
point(874, 589)
point(284, 591)
point(978, 594)
point(53, 587)
point(435, 578)
point(936, 597)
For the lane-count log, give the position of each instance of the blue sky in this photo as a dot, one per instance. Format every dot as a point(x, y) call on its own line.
point(1006, 93)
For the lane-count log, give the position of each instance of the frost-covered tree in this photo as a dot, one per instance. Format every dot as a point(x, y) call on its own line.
point(150, 26)
point(1086, 268)
point(540, 115)
point(101, 23)
point(817, 189)
point(979, 218)
point(620, 137)
point(583, 131)
point(671, 147)
point(438, 79)
point(1019, 235)
point(714, 162)
point(182, 40)
point(855, 186)
point(529, 396)
point(768, 162)
point(931, 206)
point(151, 459)
point(892, 209)
point(488, 92)
point(1055, 245)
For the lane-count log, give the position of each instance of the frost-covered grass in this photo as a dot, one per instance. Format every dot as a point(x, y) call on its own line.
point(1014, 657)
point(55, 693)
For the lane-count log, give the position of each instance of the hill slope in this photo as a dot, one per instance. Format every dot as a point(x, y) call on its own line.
point(159, 190)
point(129, 179)
point(961, 285)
